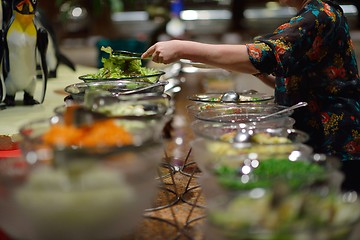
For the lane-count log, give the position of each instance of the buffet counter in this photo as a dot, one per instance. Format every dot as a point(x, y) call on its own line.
point(178, 210)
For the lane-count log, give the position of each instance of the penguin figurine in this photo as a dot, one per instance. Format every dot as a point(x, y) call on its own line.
point(54, 56)
point(22, 42)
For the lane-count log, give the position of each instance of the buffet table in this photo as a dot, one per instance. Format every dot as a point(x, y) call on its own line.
point(14, 117)
point(178, 210)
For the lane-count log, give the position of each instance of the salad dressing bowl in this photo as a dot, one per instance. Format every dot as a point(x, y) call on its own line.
point(90, 186)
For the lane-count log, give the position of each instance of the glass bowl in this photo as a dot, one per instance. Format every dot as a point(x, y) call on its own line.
point(150, 78)
point(210, 153)
point(71, 190)
point(127, 106)
point(197, 107)
point(286, 122)
point(242, 114)
point(134, 106)
point(120, 87)
point(278, 196)
point(270, 132)
point(318, 213)
point(247, 96)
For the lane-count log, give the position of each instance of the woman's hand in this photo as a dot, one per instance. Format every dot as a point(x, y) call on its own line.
point(165, 52)
point(230, 57)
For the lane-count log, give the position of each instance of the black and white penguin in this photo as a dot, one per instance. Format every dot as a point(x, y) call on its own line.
point(22, 39)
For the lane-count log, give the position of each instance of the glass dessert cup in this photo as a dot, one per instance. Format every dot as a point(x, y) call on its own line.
point(307, 214)
point(293, 195)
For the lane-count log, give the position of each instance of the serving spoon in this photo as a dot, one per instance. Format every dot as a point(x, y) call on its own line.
point(230, 96)
point(244, 135)
point(298, 105)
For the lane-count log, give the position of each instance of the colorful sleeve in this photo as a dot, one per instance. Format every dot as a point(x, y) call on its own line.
point(294, 46)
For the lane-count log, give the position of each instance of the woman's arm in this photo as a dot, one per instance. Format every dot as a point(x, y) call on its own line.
point(230, 57)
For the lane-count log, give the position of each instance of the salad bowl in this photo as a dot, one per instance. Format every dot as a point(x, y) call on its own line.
point(117, 87)
point(95, 187)
point(151, 77)
point(123, 65)
point(260, 134)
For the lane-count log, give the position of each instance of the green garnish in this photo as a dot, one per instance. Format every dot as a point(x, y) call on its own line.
point(296, 174)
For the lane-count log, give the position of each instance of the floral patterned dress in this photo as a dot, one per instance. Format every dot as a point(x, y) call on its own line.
point(313, 60)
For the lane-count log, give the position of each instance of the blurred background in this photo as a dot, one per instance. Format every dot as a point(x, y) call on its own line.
point(81, 27)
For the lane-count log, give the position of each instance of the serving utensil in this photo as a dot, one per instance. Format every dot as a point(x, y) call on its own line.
point(126, 55)
point(230, 96)
point(244, 135)
point(298, 105)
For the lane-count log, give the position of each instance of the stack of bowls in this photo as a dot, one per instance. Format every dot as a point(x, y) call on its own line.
point(261, 180)
point(280, 191)
point(150, 78)
point(89, 181)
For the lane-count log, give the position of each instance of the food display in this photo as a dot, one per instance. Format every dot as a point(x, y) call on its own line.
point(92, 170)
point(80, 180)
point(122, 65)
point(274, 191)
